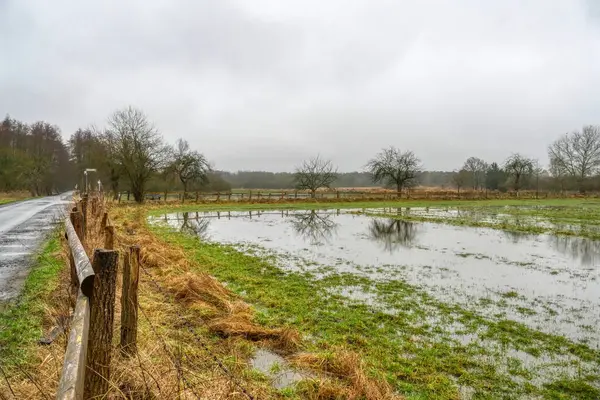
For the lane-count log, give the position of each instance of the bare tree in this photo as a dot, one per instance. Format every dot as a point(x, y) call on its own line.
point(476, 168)
point(136, 146)
point(518, 167)
point(314, 174)
point(189, 166)
point(558, 173)
point(394, 167)
point(460, 179)
point(578, 153)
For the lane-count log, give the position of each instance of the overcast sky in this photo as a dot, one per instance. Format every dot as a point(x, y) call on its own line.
point(263, 84)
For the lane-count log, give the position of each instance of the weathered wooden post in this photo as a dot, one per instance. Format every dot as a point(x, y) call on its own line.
point(250, 195)
point(102, 314)
point(104, 221)
point(94, 210)
point(74, 279)
point(78, 225)
point(84, 209)
point(109, 237)
point(197, 196)
point(129, 301)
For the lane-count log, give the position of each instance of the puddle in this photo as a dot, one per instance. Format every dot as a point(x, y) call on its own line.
point(277, 369)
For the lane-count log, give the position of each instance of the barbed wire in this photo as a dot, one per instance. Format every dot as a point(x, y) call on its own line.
point(199, 340)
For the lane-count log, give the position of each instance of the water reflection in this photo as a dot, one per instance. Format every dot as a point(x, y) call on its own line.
point(314, 227)
point(586, 251)
point(195, 225)
point(393, 233)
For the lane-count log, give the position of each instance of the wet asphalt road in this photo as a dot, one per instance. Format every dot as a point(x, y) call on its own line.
point(23, 228)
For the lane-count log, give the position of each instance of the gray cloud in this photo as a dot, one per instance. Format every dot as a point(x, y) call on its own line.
point(264, 84)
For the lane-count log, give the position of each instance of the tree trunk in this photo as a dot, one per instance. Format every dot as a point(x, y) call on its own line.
point(184, 192)
point(399, 190)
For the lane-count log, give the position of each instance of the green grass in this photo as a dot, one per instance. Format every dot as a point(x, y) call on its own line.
point(21, 321)
point(406, 347)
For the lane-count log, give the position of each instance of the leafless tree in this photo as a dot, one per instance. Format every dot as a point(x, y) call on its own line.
point(460, 179)
point(394, 167)
point(476, 169)
point(558, 173)
point(518, 167)
point(578, 153)
point(314, 174)
point(189, 166)
point(136, 146)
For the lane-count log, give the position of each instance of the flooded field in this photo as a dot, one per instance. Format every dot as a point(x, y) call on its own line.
point(525, 306)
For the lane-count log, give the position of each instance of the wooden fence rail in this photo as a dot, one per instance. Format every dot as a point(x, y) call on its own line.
point(70, 386)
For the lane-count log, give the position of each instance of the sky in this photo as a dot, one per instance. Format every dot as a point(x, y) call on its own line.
point(264, 84)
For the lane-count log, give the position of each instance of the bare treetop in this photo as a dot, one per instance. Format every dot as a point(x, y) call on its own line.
point(189, 166)
point(518, 167)
point(315, 173)
point(476, 170)
point(577, 153)
point(137, 146)
point(394, 167)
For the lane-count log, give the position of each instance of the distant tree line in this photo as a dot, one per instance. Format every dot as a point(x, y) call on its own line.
point(130, 154)
point(33, 158)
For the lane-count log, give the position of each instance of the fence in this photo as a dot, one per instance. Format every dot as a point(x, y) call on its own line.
point(86, 372)
point(350, 195)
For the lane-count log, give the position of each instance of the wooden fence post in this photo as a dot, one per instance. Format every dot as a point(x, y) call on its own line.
point(78, 225)
point(104, 222)
point(74, 278)
point(109, 237)
point(129, 301)
point(250, 195)
point(102, 314)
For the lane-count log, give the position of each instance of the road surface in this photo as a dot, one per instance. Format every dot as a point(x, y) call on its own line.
point(23, 228)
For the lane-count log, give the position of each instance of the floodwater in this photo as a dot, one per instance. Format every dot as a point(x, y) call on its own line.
point(550, 283)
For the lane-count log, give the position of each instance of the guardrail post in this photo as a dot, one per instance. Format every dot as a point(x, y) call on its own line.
point(102, 313)
point(129, 301)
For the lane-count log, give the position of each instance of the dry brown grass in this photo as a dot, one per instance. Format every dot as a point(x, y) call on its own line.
point(343, 376)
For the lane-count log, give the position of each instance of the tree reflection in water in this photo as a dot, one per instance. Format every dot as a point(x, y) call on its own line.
point(587, 251)
point(314, 227)
point(393, 233)
point(194, 225)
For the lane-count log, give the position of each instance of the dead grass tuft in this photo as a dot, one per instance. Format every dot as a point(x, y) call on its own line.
point(343, 366)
